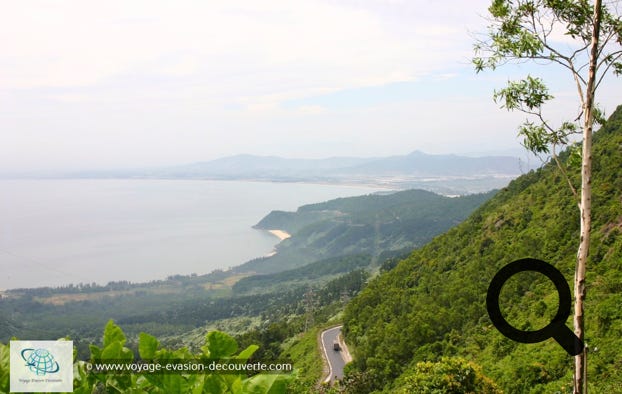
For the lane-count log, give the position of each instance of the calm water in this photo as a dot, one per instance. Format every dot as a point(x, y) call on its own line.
point(55, 232)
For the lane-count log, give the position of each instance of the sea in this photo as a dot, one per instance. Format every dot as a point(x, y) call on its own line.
point(56, 232)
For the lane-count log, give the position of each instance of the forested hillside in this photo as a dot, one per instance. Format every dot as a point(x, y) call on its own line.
point(432, 304)
point(369, 224)
point(307, 274)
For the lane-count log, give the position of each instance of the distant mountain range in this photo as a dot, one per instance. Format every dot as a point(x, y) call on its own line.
point(446, 174)
point(414, 164)
point(440, 173)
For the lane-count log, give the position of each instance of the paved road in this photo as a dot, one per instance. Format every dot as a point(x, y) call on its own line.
point(335, 358)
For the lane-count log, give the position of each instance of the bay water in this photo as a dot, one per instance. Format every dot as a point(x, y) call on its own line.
point(61, 231)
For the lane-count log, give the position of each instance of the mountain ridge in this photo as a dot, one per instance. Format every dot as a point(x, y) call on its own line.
point(366, 224)
point(249, 162)
point(448, 174)
point(445, 174)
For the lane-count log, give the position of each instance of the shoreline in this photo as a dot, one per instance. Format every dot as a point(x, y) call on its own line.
point(280, 234)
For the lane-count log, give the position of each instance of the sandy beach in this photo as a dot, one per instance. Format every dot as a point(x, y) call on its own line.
point(280, 234)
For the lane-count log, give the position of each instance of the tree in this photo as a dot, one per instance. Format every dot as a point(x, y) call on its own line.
point(448, 375)
point(530, 31)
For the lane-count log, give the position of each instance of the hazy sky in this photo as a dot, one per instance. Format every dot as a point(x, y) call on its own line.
point(100, 84)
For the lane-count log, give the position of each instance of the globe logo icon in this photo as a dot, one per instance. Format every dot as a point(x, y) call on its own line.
point(40, 361)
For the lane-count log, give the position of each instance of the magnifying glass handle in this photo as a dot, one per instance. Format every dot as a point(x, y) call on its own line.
point(568, 340)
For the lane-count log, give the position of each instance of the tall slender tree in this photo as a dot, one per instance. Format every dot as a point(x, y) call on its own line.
point(584, 38)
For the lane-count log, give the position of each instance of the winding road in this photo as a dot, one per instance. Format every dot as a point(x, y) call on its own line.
point(334, 358)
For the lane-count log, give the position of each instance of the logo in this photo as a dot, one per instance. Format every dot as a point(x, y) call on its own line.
point(41, 366)
point(40, 361)
point(556, 329)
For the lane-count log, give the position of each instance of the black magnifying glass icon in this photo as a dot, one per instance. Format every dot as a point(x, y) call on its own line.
point(556, 329)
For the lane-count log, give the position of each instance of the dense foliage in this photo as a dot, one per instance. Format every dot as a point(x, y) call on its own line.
point(162, 314)
point(367, 224)
point(218, 346)
point(305, 274)
point(449, 375)
point(317, 306)
point(432, 304)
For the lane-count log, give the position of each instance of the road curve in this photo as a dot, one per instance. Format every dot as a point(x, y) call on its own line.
point(333, 358)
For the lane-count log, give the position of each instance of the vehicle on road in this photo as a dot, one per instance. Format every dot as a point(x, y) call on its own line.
point(336, 346)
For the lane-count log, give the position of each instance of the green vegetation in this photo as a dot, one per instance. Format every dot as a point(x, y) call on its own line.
point(305, 352)
point(369, 224)
point(432, 304)
point(171, 314)
point(449, 375)
point(218, 346)
point(306, 274)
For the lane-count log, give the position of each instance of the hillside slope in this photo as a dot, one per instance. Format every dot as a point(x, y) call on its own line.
point(433, 303)
point(367, 224)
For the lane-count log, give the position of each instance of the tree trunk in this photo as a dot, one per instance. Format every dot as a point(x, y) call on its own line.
point(580, 376)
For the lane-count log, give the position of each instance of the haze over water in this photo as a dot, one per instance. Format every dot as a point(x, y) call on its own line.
point(56, 232)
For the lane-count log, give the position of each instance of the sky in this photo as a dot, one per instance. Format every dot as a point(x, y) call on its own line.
point(144, 83)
